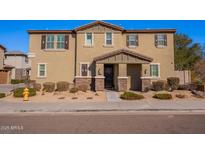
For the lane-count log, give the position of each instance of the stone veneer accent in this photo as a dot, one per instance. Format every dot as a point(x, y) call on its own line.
point(99, 83)
point(122, 83)
point(146, 82)
point(83, 80)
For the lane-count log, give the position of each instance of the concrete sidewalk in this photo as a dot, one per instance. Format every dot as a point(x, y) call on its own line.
point(6, 88)
point(86, 107)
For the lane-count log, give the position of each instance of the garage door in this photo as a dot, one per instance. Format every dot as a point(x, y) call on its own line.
point(4, 77)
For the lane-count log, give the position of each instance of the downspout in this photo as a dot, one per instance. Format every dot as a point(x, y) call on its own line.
point(75, 63)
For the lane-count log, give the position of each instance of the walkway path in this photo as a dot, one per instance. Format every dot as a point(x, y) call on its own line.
point(112, 96)
point(6, 88)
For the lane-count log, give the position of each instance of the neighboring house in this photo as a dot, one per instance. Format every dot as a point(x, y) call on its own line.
point(2, 51)
point(20, 62)
point(5, 74)
point(102, 55)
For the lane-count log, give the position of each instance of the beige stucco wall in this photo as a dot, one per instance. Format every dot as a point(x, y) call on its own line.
point(164, 56)
point(60, 63)
point(87, 53)
point(1, 58)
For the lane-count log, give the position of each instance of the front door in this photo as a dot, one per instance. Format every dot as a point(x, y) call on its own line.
point(109, 74)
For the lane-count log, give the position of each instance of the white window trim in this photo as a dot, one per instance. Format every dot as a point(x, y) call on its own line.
point(88, 69)
point(158, 70)
point(105, 42)
point(85, 43)
point(39, 70)
point(132, 46)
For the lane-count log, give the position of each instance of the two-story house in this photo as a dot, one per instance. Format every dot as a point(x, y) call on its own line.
point(102, 56)
point(5, 73)
point(20, 63)
point(2, 51)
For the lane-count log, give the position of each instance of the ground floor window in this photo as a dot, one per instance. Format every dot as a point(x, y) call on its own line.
point(84, 69)
point(42, 70)
point(154, 70)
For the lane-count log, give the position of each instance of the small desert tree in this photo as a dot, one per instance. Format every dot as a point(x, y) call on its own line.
point(187, 53)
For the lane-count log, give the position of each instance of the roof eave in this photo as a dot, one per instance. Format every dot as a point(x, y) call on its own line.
point(49, 31)
point(4, 48)
point(151, 31)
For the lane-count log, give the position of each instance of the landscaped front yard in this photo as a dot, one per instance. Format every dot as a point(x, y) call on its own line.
point(91, 96)
point(176, 95)
point(62, 92)
point(79, 96)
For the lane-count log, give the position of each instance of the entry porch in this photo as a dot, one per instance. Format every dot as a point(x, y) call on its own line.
point(121, 70)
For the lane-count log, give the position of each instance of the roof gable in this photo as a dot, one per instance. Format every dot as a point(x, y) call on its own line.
point(123, 56)
point(108, 25)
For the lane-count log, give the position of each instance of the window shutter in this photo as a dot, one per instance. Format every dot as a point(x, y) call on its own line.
point(66, 41)
point(127, 40)
point(137, 40)
point(165, 40)
point(43, 41)
point(156, 40)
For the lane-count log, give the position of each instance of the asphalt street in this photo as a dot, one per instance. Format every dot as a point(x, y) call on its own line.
point(103, 122)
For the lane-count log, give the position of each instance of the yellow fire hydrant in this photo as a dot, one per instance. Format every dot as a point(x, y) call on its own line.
point(25, 94)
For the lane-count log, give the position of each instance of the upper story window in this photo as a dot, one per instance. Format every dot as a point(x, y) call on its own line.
point(155, 70)
point(108, 38)
point(60, 41)
point(89, 39)
point(57, 41)
point(132, 40)
point(160, 40)
point(50, 42)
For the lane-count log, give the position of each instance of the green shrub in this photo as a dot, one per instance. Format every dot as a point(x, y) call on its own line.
point(2, 95)
point(183, 87)
point(158, 85)
point(37, 86)
point(163, 96)
point(49, 86)
point(200, 87)
point(62, 86)
point(16, 81)
point(131, 96)
point(74, 90)
point(83, 88)
point(173, 82)
point(19, 92)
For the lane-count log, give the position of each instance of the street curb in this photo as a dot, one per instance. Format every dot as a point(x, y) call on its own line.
point(109, 110)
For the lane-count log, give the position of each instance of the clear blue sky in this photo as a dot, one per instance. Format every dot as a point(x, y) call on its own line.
point(13, 34)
